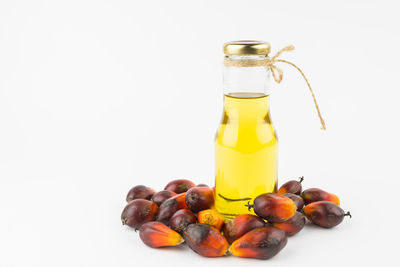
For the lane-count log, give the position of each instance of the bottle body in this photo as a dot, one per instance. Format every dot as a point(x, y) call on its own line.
point(246, 146)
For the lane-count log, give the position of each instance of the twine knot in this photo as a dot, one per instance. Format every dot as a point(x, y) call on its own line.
point(275, 69)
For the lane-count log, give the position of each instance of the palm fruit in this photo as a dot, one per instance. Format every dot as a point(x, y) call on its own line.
point(170, 206)
point(179, 186)
point(292, 186)
point(139, 192)
point(161, 196)
point(181, 219)
point(199, 198)
point(138, 212)
point(205, 240)
point(240, 225)
point(325, 213)
point(293, 225)
point(316, 194)
point(260, 243)
point(298, 200)
point(211, 217)
point(273, 207)
point(156, 234)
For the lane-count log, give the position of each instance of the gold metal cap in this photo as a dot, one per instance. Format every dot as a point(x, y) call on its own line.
point(247, 47)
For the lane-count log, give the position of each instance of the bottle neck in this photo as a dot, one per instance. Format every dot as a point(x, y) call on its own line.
point(249, 80)
point(246, 109)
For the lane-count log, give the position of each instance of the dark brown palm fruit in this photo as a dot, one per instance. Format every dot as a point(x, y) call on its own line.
point(260, 243)
point(161, 196)
point(199, 198)
point(139, 192)
point(211, 217)
point(156, 235)
point(293, 225)
point(291, 186)
point(273, 207)
point(325, 213)
point(179, 186)
point(240, 225)
point(170, 206)
point(205, 240)
point(298, 200)
point(315, 194)
point(138, 212)
point(181, 219)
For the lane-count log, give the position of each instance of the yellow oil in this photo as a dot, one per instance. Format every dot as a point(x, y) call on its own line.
point(246, 151)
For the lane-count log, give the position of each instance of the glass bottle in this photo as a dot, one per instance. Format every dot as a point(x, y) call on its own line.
point(246, 145)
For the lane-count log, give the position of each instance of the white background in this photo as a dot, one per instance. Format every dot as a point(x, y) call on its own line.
point(98, 96)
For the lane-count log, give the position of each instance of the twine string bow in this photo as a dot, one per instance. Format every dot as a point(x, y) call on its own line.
point(277, 74)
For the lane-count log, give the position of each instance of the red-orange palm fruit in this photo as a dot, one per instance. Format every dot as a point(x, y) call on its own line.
point(205, 240)
point(139, 192)
point(199, 198)
point(138, 212)
point(181, 219)
point(211, 217)
point(156, 234)
point(325, 213)
point(170, 206)
point(293, 225)
point(316, 194)
point(179, 186)
point(260, 243)
point(161, 196)
point(240, 225)
point(273, 207)
point(298, 200)
point(292, 186)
